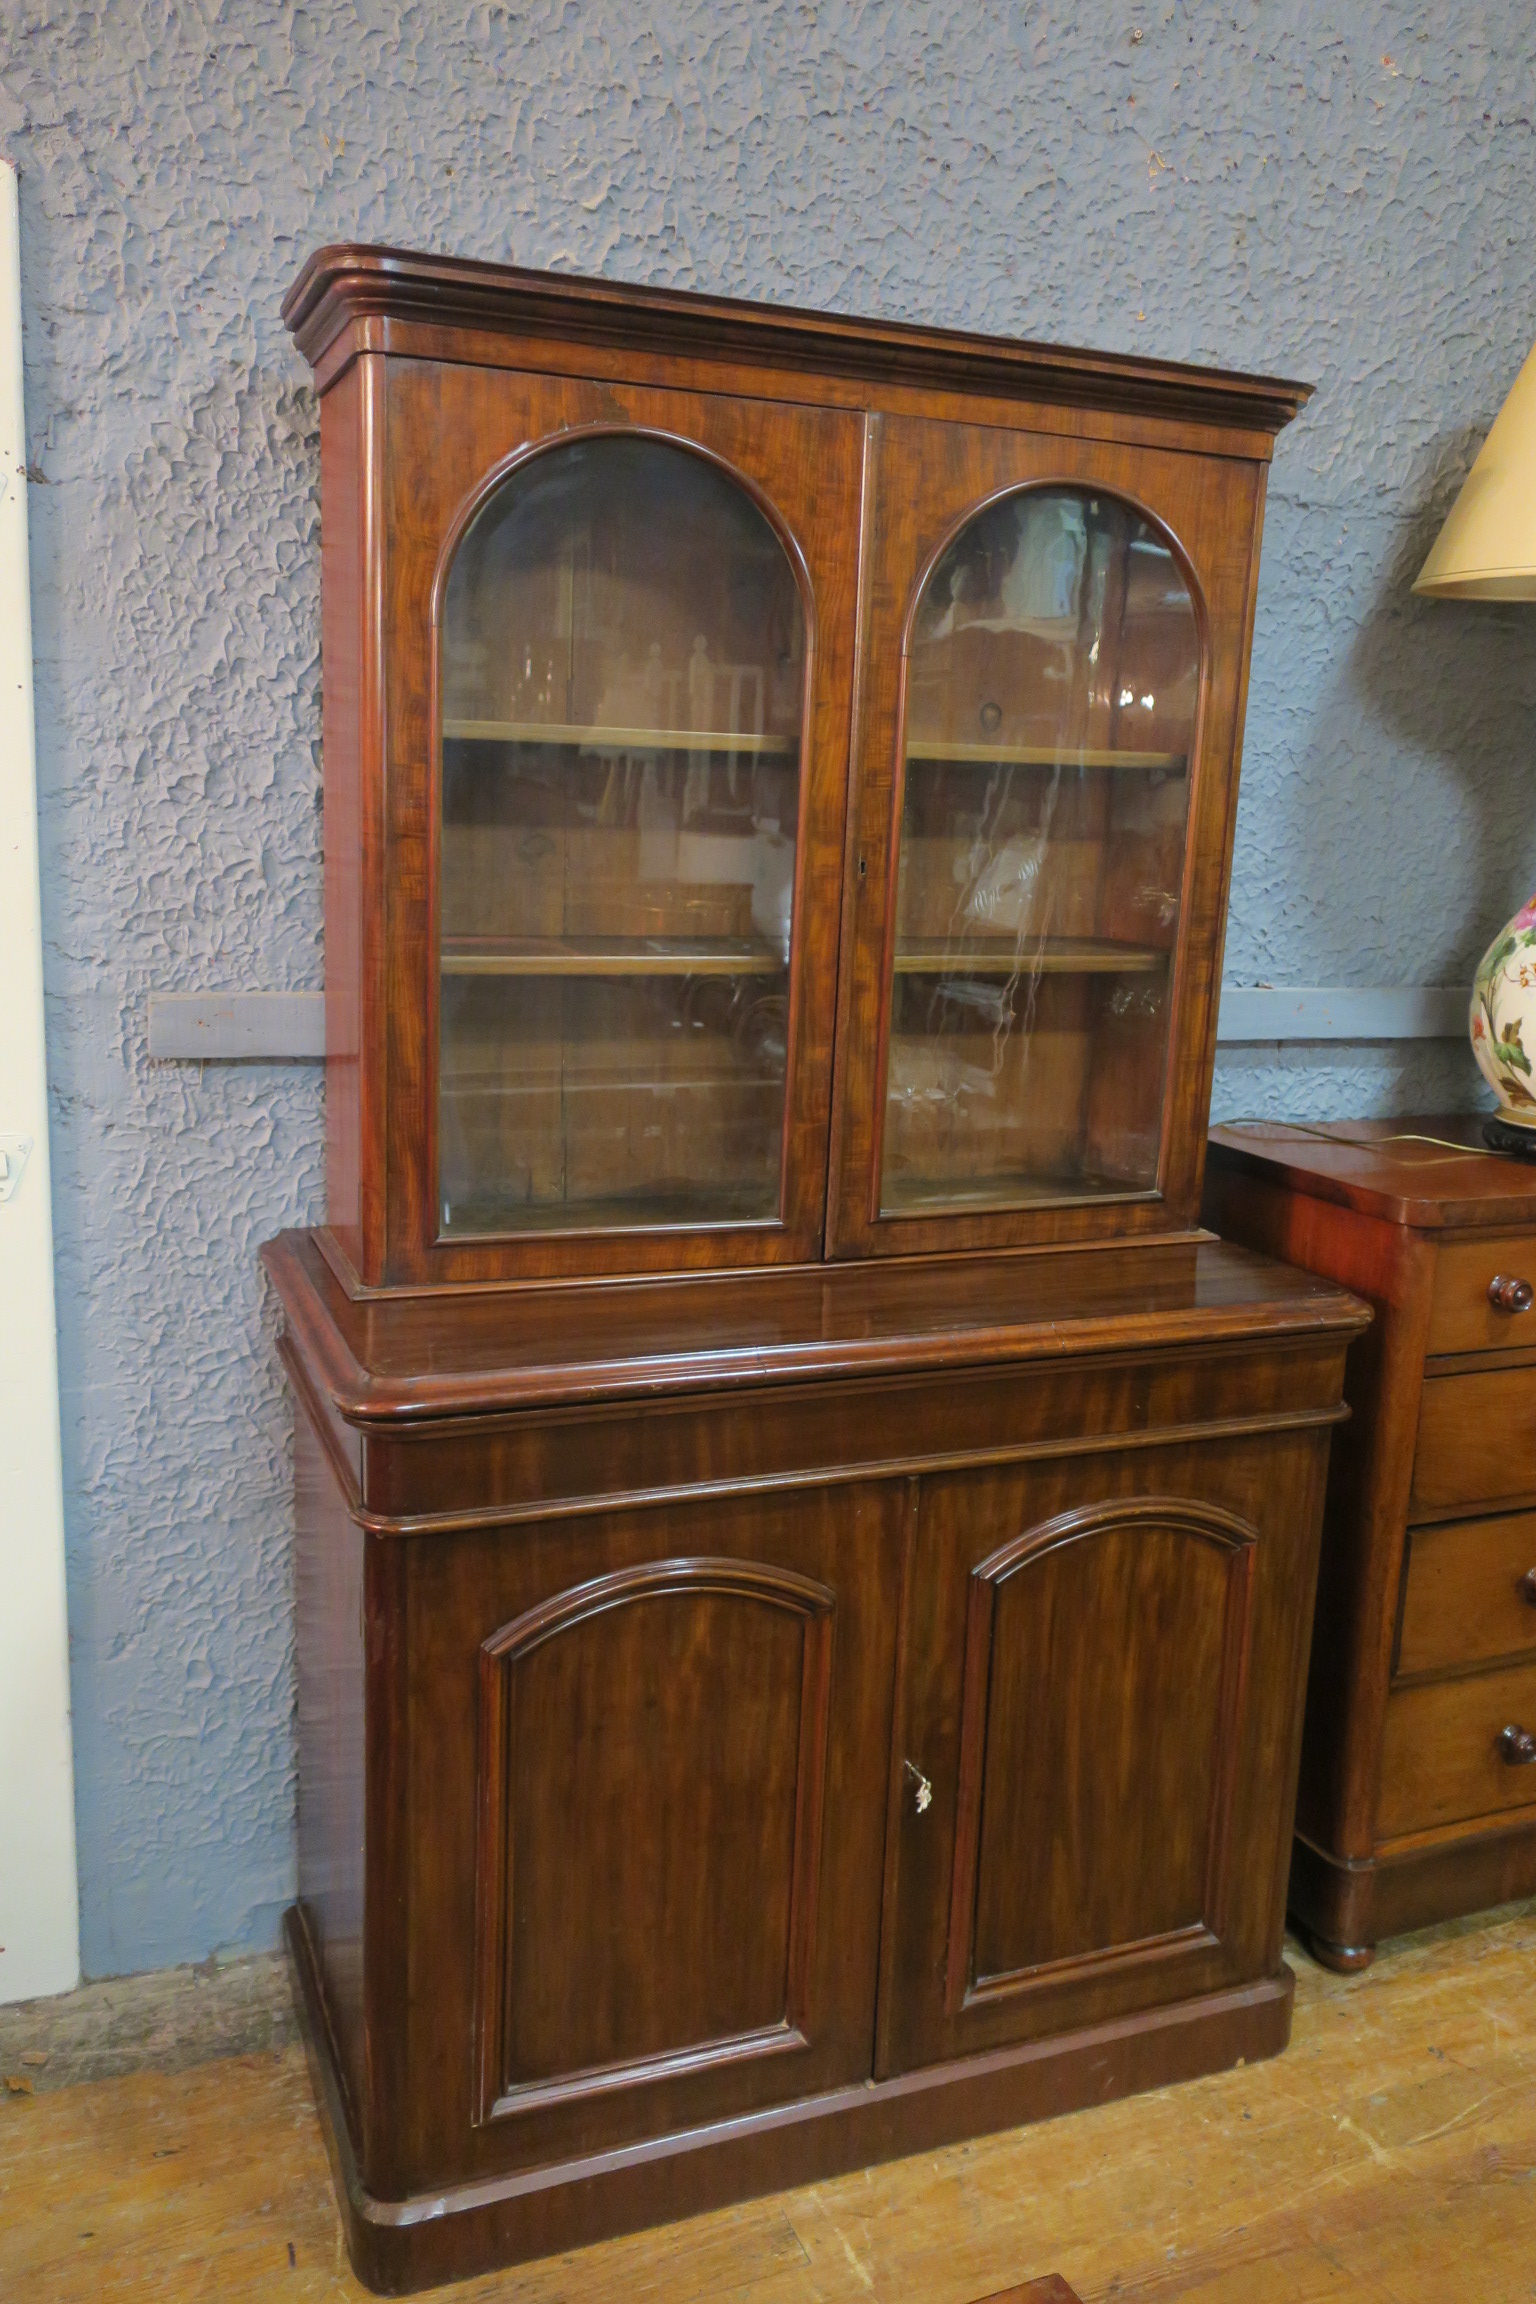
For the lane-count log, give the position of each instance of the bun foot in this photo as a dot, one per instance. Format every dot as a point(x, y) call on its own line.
point(1343, 1959)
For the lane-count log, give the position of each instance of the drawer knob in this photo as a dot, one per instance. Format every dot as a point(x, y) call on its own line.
point(1506, 1295)
point(1527, 1587)
point(1517, 1746)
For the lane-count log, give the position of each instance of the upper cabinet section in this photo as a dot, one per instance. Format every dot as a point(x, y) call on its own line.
point(1053, 675)
point(623, 698)
point(779, 776)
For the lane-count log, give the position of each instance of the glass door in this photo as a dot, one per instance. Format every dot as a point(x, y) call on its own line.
point(623, 691)
point(1052, 680)
point(1043, 813)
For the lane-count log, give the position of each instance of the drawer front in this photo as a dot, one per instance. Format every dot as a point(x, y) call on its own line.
point(1444, 1760)
point(1464, 1316)
point(1477, 1440)
point(1471, 1594)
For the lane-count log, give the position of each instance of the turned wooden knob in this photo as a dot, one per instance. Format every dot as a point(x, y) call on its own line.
point(1527, 1587)
point(1518, 1746)
point(1506, 1295)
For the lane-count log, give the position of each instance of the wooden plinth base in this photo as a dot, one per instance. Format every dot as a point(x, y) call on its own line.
point(1342, 1908)
point(456, 2230)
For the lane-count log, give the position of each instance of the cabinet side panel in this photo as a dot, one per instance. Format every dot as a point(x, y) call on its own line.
point(350, 448)
point(329, 1595)
point(341, 596)
point(1368, 1482)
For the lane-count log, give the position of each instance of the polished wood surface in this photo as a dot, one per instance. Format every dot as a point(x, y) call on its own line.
point(1429, 1171)
point(786, 1678)
point(1378, 2161)
point(425, 412)
point(398, 1355)
point(1477, 1440)
point(1469, 1594)
point(1483, 1295)
point(351, 290)
point(449, 428)
point(1409, 1809)
point(683, 1658)
point(1447, 1756)
point(1090, 1692)
point(663, 1743)
point(926, 477)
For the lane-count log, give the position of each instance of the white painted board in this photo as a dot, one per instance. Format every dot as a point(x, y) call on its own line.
point(39, 1908)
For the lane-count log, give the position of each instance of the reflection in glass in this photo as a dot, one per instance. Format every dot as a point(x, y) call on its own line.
point(623, 668)
point(1052, 682)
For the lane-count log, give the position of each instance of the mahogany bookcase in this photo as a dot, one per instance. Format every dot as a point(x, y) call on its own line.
point(805, 1550)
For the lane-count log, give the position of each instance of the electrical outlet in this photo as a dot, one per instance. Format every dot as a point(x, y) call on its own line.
point(13, 1158)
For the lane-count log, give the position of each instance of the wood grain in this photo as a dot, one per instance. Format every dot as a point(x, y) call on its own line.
point(580, 1708)
point(1476, 1442)
point(1378, 2160)
point(1465, 1316)
point(452, 430)
point(342, 288)
point(927, 479)
point(1117, 1681)
point(1469, 1594)
point(1407, 1813)
point(1430, 1171)
point(665, 1512)
point(1442, 1762)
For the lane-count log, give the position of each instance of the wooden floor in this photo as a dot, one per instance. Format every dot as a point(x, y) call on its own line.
point(1390, 2155)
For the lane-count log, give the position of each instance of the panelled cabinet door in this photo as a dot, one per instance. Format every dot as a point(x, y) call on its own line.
point(1054, 647)
point(617, 726)
point(648, 1804)
point(1090, 1819)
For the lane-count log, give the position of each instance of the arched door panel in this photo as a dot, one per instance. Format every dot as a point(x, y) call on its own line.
point(619, 635)
point(653, 1779)
point(646, 1784)
point(1043, 796)
point(1096, 1645)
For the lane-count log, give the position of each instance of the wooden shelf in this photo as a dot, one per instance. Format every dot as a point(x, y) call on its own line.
point(578, 739)
point(612, 956)
point(1009, 956)
point(1038, 756)
point(1028, 1188)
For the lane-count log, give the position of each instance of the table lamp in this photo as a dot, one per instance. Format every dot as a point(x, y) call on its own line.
point(1487, 551)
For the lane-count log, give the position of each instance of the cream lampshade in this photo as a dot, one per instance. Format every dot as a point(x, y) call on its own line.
point(1487, 551)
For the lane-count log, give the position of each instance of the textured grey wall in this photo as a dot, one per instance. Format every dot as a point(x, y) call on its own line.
point(1242, 185)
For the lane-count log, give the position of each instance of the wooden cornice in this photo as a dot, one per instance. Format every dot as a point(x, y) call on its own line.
point(342, 286)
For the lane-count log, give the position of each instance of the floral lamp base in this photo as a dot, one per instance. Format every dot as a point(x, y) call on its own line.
point(1503, 1028)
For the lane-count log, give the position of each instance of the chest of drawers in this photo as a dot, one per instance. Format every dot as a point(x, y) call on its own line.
point(1418, 1783)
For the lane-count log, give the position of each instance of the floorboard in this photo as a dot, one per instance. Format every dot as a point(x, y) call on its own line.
point(1390, 2156)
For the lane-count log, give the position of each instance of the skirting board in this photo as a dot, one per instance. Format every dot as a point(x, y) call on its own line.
point(274, 1026)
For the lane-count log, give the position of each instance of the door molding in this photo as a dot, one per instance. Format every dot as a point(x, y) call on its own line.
point(1203, 1523)
point(755, 1582)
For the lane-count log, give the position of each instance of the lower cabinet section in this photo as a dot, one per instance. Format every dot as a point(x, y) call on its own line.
point(658, 1850)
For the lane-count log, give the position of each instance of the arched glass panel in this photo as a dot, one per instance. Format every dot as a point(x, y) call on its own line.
point(623, 671)
point(1051, 692)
